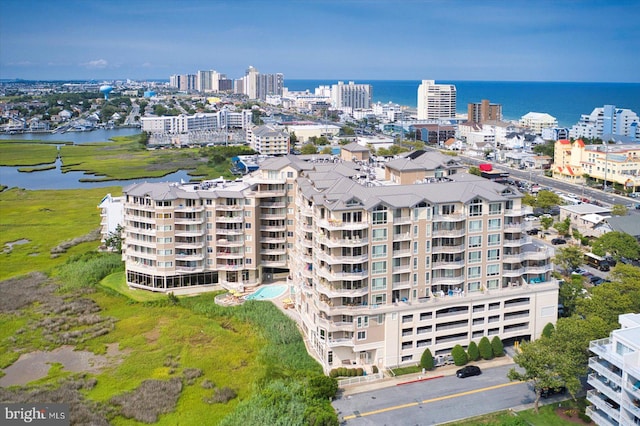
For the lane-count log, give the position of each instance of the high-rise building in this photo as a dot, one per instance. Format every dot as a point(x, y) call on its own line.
point(607, 121)
point(207, 81)
point(351, 95)
point(483, 112)
point(380, 272)
point(614, 375)
point(187, 82)
point(436, 101)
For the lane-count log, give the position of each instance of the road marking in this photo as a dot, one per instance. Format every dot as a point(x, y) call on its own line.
point(427, 401)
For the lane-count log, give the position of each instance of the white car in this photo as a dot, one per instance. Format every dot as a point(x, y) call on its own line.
point(530, 218)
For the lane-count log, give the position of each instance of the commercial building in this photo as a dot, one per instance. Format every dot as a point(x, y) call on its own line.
point(483, 112)
point(381, 271)
point(614, 374)
point(536, 121)
point(351, 96)
point(607, 121)
point(613, 164)
point(436, 101)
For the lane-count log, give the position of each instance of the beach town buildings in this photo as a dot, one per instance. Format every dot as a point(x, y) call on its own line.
point(536, 121)
point(606, 123)
point(614, 375)
point(351, 96)
point(436, 101)
point(268, 140)
point(608, 163)
point(381, 269)
point(484, 111)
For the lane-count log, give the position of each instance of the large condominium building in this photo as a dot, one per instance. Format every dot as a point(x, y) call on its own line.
point(208, 81)
point(268, 140)
point(381, 271)
point(258, 86)
point(200, 121)
point(436, 101)
point(607, 121)
point(184, 82)
point(612, 163)
point(536, 121)
point(614, 374)
point(483, 112)
point(351, 96)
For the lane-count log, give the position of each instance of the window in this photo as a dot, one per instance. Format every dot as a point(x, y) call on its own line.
point(249, 249)
point(475, 225)
point(289, 174)
point(495, 224)
point(495, 208)
point(415, 263)
point(492, 284)
point(474, 272)
point(379, 267)
point(407, 318)
point(247, 225)
point(494, 239)
point(415, 247)
point(379, 299)
point(330, 357)
point(380, 215)
point(247, 213)
point(379, 251)
point(248, 237)
point(247, 261)
point(379, 235)
point(427, 246)
point(493, 254)
point(378, 284)
point(475, 256)
point(475, 241)
point(362, 322)
point(475, 207)
point(362, 335)
point(474, 286)
point(427, 280)
point(415, 230)
point(493, 270)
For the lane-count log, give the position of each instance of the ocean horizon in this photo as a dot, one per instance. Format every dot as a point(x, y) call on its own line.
point(566, 101)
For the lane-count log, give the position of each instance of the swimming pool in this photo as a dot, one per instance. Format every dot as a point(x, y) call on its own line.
point(268, 292)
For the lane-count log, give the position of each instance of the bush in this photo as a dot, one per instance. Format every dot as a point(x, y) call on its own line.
point(374, 369)
point(459, 355)
point(497, 346)
point(333, 373)
point(426, 360)
point(473, 352)
point(359, 371)
point(486, 352)
point(222, 395)
point(149, 400)
point(322, 387)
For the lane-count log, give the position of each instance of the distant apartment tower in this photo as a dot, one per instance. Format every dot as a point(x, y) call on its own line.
point(436, 101)
point(258, 86)
point(268, 140)
point(607, 121)
point(614, 375)
point(207, 81)
point(184, 82)
point(483, 112)
point(351, 95)
point(536, 121)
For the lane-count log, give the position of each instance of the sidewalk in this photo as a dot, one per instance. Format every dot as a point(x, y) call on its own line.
point(449, 370)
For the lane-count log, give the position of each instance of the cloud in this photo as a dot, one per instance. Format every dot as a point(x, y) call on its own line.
point(96, 64)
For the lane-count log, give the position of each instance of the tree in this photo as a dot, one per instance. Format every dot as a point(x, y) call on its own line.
point(426, 360)
point(563, 227)
point(548, 329)
point(617, 244)
point(570, 293)
point(619, 210)
point(326, 150)
point(293, 138)
point(497, 347)
point(309, 149)
point(568, 258)
point(473, 170)
point(347, 131)
point(486, 352)
point(114, 239)
point(546, 222)
point(547, 148)
point(529, 200)
point(546, 199)
point(459, 355)
point(538, 360)
point(473, 352)
point(322, 387)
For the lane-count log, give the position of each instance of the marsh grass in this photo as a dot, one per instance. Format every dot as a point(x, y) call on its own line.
point(46, 219)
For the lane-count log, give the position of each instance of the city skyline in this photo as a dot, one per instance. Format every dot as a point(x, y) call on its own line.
point(590, 41)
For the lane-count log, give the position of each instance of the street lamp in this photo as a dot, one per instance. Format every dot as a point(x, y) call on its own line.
point(606, 164)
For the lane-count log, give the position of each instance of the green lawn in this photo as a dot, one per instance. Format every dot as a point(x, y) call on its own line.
point(117, 283)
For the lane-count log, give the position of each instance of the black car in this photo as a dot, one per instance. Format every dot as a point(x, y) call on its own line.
point(548, 392)
point(533, 231)
point(557, 241)
point(469, 370)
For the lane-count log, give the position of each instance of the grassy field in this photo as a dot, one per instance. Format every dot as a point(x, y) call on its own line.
point(45, 219)
point(26, 154)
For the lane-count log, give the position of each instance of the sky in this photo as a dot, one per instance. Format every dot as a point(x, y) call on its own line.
point(489, 40)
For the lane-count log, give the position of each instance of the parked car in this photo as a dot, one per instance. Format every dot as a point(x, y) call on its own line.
point(596, 281)
point(557, 241)
point(610, 260)
point(533, 231)
point(530, 218)
point(469, 370)
point(578, 271)
point(548, 392)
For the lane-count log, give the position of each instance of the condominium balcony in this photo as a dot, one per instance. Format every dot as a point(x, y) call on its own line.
point(345, 342)
point(274, 251)
point(307, 227)
point(344, 242)
point(134, 218)
point(514, 227)
point(401, 253)
point(271, 192)
point(517, 212)
point(189, 209)
point(452, 233)
point(402, 220)
point(538, 269)
point(230, 219)
point(143, 231)
point(604, 370)
point(228, 267)
point(516, 242)
point(603, 405)
point(449, 249)
point(447, 281)
point(274, 228)
point(400, 285)
point(223, 242)
point(399, 269)
point(604, 386)
point(335, 224)
point(334, 260)
point(274, 239)
point(453, 217)
point(226, 254)
point(190, 269)
point(274, 216)
point(338, 291)
point(186, 256)
point(273, 204)
point(228, 207)
point(599, 417)
point(229, 231)
point(335, 276)
point(307, 243)
point(188, 221)
point(402, 236)
point(189, 233)
point(448, 264)
point(632, 408)
point(274, 263)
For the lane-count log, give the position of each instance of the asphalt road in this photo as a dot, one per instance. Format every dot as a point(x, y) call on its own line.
point(435, 401)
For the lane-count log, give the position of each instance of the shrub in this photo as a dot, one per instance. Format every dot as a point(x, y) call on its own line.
point(426, 360)
point(333, 373)
point(548, 330)
point(497, 347)
point(149, 400)
point(359, 371)
point(473, 352)
point(486, 352)
point(322, 387)
point(207, 384)
point(459, 355)
point(374, 369)
point(222, 395)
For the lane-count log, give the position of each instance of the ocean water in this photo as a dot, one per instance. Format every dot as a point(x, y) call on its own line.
point(565, 101)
